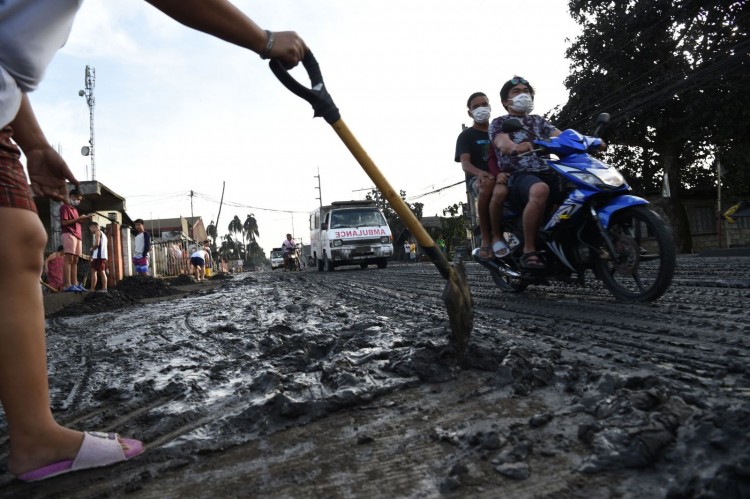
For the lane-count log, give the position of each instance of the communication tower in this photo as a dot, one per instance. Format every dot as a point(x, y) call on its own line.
point(88, 93)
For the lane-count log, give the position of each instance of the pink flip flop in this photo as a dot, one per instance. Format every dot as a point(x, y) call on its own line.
point(98, 449)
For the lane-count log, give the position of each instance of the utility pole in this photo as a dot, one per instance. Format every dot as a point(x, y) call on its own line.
point(320, 192)
point(190, 228)
point(221, 203)
point(88, 93)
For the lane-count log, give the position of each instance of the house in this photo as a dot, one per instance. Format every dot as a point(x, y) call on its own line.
point(108, 209)
point(183, 228)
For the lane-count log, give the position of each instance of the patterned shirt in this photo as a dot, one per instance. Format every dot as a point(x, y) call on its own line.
point(531, 162)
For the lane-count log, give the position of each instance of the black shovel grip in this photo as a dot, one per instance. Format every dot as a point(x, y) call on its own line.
point(317, 95)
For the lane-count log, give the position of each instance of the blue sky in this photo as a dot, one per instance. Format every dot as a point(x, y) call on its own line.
point(177, 110)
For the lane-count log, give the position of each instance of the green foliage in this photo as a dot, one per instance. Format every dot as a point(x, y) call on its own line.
point(394, 222)
point(250, 228)
point(673, 74)
point(453, 227)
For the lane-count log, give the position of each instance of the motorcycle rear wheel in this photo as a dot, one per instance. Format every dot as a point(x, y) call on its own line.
point(642, 267)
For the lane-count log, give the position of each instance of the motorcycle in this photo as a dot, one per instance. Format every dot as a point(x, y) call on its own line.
point(292, 260)
point(599, 226)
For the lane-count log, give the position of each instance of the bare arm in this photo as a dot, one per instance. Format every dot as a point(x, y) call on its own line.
point(74, 221)
point(469, 168)
point(48, 172)
point(506, 146)
point(225, 21)
point(51, 257)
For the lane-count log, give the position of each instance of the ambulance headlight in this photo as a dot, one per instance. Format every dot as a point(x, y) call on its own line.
point(385, 239)
point(337, 242)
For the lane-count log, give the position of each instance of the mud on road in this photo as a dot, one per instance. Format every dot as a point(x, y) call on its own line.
point(343, 385)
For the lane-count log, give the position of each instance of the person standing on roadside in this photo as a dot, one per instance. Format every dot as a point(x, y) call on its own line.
point(70, 223)
point(142, 248)
point(413, 252)
point(472, 151)
point(31, 31)
point(407, 251)
point(98, 263)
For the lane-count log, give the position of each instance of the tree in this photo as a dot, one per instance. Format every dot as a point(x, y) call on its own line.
point(453, 228)
point(211, 232)
point(394, 222)
point(673, 76)
point(228, 249)
point(235, 227)
point(250, 228)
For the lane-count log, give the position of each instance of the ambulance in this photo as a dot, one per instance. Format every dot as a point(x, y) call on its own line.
point(350, 233)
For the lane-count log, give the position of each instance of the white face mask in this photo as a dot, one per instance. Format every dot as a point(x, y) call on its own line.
point(74, 202)
point(522, 103)
point(481, 114)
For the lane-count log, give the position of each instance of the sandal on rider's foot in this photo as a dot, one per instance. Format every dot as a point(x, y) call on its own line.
point(485, 253)
point(532, 261)
point(500, 249)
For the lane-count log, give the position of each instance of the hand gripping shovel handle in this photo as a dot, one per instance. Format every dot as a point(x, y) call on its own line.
point(323, 106)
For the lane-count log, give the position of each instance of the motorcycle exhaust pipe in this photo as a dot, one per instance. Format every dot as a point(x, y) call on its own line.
point(496, 265)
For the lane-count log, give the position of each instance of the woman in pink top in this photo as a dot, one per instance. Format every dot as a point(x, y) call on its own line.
point(53, 267)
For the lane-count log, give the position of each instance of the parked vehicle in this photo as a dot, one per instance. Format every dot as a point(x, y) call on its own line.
point(277, 258)
point(599, 226)
point(350, 233)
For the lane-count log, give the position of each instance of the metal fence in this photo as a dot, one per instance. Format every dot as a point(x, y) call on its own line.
point(170, 258)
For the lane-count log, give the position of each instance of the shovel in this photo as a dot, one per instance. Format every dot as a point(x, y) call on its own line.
point(456, 294)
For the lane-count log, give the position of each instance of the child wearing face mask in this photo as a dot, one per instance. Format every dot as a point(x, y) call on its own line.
point(70, 223)
point(530, 180)
point(473, 152)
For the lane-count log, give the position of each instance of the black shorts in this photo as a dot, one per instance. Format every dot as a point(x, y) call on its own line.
point(520, 183)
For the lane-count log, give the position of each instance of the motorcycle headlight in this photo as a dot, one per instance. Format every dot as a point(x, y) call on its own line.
point(337, 242)
point(385, 239)
point(609, 177)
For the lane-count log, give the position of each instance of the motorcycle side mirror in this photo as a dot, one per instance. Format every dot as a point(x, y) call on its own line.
point(601, 121)
point(512, 125)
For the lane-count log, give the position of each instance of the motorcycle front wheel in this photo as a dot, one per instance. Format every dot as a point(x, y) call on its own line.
point(642, 267)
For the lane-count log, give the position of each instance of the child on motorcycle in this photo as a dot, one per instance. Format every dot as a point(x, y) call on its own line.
point(472, 147)
point(531, 180)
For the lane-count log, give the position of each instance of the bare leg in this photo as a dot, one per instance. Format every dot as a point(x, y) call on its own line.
point(74, 270)
point(103, 277)
point(532, 214)
point(35, 438)
point(483, 207)
point(67, 266)
point(93, 280)
point(496, 211)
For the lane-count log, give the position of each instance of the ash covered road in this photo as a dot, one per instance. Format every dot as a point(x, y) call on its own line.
point(342, 385)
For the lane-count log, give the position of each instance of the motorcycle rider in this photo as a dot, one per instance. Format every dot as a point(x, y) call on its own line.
point(532, 180)
point(288, 245)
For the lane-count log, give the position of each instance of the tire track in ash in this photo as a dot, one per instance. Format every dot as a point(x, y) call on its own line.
point(692, 333)
point(692, 340)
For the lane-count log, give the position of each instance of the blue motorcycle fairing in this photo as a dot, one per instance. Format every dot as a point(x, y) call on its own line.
point(581, 161)
point(616, 204)
point(569, 142)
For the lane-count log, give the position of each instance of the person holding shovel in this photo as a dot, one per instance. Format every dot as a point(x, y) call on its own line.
point(31, 31)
